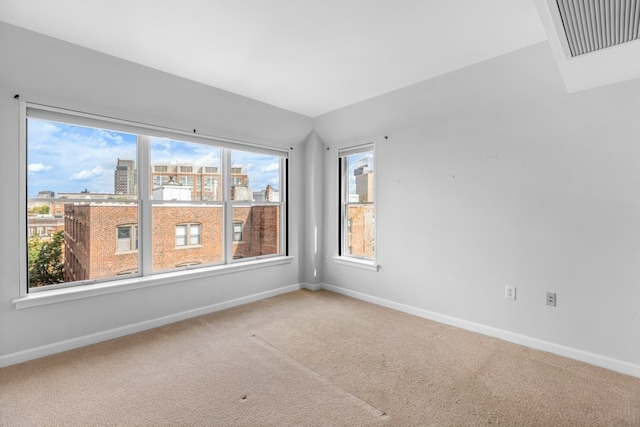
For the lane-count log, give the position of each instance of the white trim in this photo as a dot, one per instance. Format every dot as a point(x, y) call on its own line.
point(363, 148)
point(46, 350)
point(356, 262)
point(45, 112)
point(572, 353)
point(312, 286)
point(113, 286)
point(22, 203)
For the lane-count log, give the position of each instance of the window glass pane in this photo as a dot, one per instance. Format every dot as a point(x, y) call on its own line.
point(260, 232)
point(237, 231)
point(125, 240)
point(360, 176)
point(181, 235)
point(194, 238)
point(165, 256)
point(177, 164)
point(255, 178)
point(358, 205)
point(124, 233)
point(180, 165)
point(361, 230)
point(81, 184)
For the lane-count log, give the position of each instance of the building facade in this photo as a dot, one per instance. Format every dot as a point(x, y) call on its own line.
point(205, 181)
point(101, 240)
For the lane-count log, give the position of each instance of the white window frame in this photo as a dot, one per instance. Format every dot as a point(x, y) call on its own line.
point(344, 223)
point(145, 276)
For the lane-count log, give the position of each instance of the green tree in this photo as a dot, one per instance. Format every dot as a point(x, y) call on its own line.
point(41, 210)
point(46, 264)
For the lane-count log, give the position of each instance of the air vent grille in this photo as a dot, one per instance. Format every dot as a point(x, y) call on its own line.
point(592, 25)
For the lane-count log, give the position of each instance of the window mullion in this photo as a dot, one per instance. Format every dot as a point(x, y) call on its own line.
point(24, 275)
point(284, 197)
point(145, 208)
point(344, 196)
point(225, 164)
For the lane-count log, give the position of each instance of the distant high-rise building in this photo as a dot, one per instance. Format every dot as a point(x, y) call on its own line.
point(364, 180)
point(124, 177)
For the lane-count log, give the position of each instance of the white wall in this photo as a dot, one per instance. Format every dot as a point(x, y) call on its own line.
point(491, 176)
point(51, 72)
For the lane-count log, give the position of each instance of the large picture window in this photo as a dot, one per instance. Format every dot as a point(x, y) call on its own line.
point(357, 202)
point(107, 197)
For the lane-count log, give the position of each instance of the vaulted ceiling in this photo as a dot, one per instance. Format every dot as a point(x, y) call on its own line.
point(307, 56)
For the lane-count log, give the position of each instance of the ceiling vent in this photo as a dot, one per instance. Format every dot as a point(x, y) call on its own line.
point(592, 25)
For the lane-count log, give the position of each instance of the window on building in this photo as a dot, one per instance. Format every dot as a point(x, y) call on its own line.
point(145, 223)
point(357, 202)
point(187, 234)
point(237, 232)
point(127, 236)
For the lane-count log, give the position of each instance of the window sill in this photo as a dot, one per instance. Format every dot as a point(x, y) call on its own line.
point(104, 288)
point(355, 262)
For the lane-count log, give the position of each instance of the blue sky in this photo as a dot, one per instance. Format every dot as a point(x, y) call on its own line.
point(67, 158)
point(354, 161)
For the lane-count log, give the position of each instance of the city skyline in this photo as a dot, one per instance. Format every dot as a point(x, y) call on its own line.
point(67, 158)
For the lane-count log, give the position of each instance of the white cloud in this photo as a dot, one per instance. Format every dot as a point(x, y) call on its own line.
point(271, 167)
point(38, 167)
point(84, 175)
point(210, 159)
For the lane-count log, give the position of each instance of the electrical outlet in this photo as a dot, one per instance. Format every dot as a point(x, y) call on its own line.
point(510, 292)
point(551, 299)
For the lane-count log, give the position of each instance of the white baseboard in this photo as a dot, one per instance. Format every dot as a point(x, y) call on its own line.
point(312, 287)
point(58, 347)
point(572, 353)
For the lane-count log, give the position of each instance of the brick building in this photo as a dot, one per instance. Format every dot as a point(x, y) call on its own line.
point(101, 239)
point(44, 226)
point(205, 181)
point(360, 230)
point(101, 230)
point(361, 213)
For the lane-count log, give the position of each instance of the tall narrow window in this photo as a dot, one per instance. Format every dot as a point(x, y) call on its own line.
point(357, 202)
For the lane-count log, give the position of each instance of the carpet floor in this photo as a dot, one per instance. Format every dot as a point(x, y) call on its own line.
point(313, 359)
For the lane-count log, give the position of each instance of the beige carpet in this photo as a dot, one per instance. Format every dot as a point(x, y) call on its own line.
point(313, 359)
